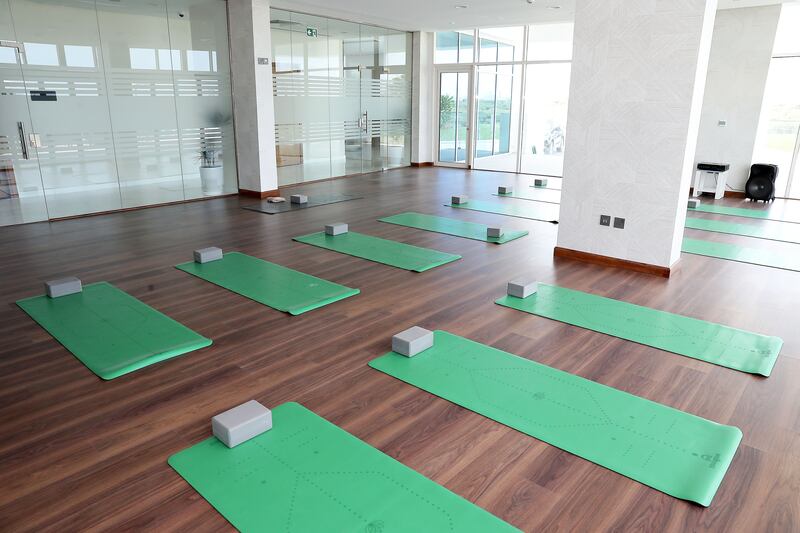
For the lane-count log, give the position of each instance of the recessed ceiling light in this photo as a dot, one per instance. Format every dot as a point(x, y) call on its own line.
point(553, 7)
point(461, 6)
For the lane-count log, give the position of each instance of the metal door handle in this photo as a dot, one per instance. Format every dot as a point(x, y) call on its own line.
point(366, 122)
point(22, 142)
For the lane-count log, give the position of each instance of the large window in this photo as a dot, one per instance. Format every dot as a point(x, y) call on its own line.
point(778, 137)
point(511, 133)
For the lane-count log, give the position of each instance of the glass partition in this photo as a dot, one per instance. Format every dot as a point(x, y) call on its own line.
point(126, 104)
point(342, 97)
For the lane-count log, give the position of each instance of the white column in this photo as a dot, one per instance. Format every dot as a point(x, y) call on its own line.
point(422, 108)
point(638, 74)
point(253, 109)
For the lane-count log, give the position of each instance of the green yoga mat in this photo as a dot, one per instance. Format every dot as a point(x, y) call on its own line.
point(383, 251)
point(546, 196)
point(683, 335)
point(278, 287)
point(539, 213)
point(450, 226)
point(740, 212)
point(732, 252)
point(783, 234)
point(677, 453)
point(308, 475)
point(110, 331)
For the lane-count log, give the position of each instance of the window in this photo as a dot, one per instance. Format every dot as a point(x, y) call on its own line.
point(454, 47)
point(550, 42)
point(143, 58)
point(778, 134)
point(509, 133)
point(501, 44)
point(41, 54)
point(169, 59)
point(79, 56)
point(197, 60)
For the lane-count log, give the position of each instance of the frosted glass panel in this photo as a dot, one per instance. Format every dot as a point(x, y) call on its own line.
point(342, 97)
point(21, 189)
point(119, 104)
point(202, 92)
point(75, 145)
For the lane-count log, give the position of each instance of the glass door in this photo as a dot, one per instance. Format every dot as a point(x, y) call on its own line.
point(67, 97)
point(21, 190)
point(454, 118)
point(374, 99)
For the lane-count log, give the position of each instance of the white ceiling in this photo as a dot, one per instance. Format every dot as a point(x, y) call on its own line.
point(442, 14)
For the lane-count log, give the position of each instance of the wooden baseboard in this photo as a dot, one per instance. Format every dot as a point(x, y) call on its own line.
point(728, 194)
point(422, 164)
point(605, 260)
point(139, 207)
point(258, 194)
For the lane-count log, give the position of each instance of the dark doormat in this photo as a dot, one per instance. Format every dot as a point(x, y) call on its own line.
point(270, 208)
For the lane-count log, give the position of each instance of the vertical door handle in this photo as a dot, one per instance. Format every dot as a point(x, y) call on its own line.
point(23, 143)
point(366, 122)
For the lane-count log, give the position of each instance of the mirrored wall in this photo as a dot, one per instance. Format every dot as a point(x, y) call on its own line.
point(112, 105)
point(342, 94)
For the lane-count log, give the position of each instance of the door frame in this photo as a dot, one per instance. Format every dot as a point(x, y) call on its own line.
point(447, 69)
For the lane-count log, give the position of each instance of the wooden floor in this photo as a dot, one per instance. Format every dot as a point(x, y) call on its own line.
point(80, 453)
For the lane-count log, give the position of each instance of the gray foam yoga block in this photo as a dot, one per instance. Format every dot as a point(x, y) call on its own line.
point(204, 255)
point(299, 199)
point(521, 288)
point(494, 232)
point(336, 229)
point(241, 423)
point(62, 287)
point(540, 182)
point(505, 189)
point(694, 203)
point(459, 199)
point(412, 341)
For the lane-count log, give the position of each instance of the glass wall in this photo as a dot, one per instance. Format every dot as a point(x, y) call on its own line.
point(778, 136)
point(116, 105)
point(342, 95)
point(513, 133)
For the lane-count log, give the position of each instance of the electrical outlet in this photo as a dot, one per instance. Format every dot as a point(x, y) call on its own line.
point(605, 220)
point(619, 223)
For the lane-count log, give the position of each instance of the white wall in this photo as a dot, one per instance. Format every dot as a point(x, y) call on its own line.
point(741, 49)
point(638, 74)
point(422, 99)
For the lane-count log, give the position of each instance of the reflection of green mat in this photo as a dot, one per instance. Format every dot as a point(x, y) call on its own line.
point(754, 212)
point(308, 475)
point(677, 453)
point(784, 234)
point(392, 253)
point(547, 213)
point(278, 287)
point(732, 252)
point(110, 331)
point(450, 226)
point(539, 194)
point(715, 343)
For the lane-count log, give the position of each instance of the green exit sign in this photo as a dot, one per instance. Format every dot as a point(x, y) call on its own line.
point(311, 32)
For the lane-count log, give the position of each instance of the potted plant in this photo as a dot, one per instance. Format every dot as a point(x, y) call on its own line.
point(212, 175)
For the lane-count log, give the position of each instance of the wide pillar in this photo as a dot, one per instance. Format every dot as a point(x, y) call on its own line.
point(253, 110)
point(636, 91)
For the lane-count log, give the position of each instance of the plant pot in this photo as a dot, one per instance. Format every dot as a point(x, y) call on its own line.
point(212, 179)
